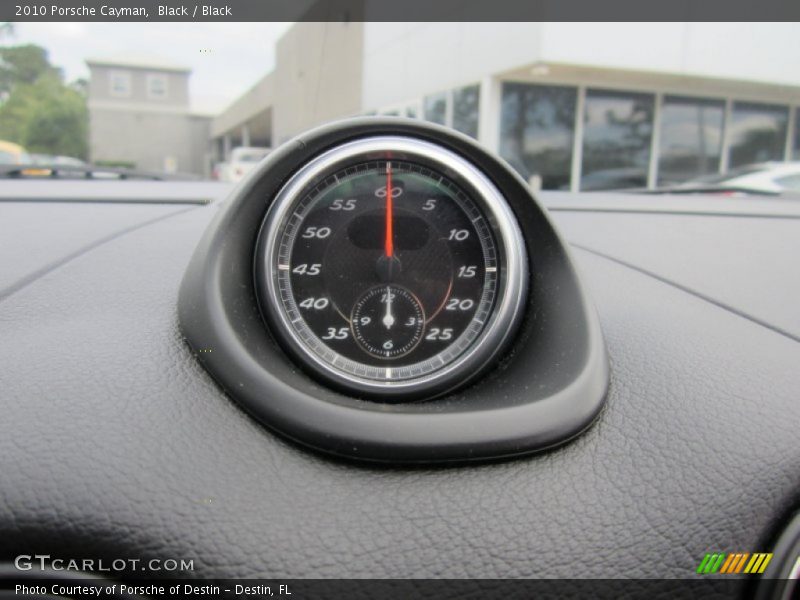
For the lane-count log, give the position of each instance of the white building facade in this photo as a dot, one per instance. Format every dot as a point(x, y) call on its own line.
point(569, 105)
point(139, 117)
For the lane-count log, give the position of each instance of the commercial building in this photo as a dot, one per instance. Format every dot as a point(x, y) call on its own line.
point(317, 78)
point(569, 105)
point(139, 117)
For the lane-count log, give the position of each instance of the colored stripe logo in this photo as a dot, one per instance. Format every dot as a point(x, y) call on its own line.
point(734, 563)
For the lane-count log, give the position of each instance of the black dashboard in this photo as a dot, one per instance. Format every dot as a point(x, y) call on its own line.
point(115, 440)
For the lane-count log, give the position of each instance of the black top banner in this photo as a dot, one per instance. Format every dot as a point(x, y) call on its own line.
point(399, 10)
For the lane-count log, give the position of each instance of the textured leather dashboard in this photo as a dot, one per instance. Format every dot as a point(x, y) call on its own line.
point(114, 442)
point(747, 264)
point(36, 238)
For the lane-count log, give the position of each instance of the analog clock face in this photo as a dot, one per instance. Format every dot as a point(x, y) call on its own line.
point(391, 266)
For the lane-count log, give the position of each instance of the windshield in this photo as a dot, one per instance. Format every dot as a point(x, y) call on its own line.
point(12, 158)
point(208, 100)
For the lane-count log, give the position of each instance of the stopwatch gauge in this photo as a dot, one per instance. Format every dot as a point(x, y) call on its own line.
point(391, 267)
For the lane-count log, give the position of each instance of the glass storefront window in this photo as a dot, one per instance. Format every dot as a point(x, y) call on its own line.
point(435, 108)
point(537, 125)
point(466, 104)
point(690, 140)
point(618, 128)
point(758, 133)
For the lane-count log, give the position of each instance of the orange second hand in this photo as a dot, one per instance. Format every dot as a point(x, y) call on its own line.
point(389, 243)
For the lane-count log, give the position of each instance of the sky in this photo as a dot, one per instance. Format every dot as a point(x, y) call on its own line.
point(226, 58)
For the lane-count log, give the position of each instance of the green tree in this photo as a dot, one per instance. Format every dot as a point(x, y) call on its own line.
point(58, 122)
point(23, 64)
point(15, 112)
point(40, 112)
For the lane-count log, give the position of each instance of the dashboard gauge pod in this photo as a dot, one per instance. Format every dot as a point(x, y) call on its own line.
point(386, 289)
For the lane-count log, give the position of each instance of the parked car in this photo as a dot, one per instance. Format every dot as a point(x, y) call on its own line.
point(57, 160)
point(243, 160)
point(13, 154)
point(766, 178)
point(216, 170)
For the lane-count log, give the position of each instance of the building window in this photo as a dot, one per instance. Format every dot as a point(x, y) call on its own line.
point(758, 133)
point(411, 112)
point(618, 128)
point(537, 126)
point(157, 86)
point(435, 108)
point(120, 83)
point(466, 105)
point(690, 142)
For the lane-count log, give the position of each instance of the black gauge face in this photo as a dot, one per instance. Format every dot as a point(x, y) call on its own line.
point(387, 271)
point(388, 277)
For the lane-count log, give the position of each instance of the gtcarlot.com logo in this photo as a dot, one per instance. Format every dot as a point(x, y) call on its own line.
point(44, 562)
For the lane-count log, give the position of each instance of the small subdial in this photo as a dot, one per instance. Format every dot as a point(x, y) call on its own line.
point(388, 321)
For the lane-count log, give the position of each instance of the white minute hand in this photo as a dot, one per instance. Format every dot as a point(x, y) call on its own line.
point(388, 318)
